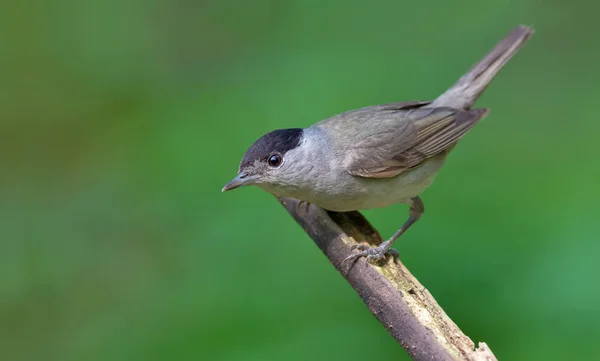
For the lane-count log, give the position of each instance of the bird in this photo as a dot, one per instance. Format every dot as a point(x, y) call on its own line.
point(375, 156)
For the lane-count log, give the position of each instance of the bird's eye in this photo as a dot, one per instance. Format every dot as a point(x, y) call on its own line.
point(274, 160)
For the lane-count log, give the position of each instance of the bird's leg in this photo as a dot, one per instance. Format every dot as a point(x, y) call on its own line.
point(416, 210)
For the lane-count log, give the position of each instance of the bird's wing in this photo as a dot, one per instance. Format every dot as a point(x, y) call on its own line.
point(405, 135)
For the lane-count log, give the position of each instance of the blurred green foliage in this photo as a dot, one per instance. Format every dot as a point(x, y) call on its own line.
point(121, 120)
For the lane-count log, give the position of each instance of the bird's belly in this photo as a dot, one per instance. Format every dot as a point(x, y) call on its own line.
point(375, 194)
point(349, 193)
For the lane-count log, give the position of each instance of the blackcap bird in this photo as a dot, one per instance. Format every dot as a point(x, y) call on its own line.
point(375, 156)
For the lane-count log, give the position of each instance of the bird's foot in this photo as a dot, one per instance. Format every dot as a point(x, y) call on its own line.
point(299, 206)
point(372, 253)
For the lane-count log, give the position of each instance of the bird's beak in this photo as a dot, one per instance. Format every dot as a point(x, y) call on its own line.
point(242, 179)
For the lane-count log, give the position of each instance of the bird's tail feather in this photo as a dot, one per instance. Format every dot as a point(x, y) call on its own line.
point(469, 87)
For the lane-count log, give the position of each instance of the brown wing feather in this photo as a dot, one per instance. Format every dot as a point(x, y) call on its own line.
point(421, 134)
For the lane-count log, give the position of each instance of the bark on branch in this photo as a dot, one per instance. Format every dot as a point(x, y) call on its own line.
point(403, 306)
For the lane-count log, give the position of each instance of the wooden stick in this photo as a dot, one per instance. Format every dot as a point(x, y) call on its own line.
point(403, 306)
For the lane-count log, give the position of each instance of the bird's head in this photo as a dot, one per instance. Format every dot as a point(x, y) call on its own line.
point(272, 162)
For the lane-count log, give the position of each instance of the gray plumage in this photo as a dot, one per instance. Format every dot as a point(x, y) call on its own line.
point(374, 156)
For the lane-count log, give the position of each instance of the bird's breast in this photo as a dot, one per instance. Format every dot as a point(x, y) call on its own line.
point(340, 191)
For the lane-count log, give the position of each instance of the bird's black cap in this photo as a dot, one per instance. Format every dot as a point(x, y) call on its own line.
point(278, 141)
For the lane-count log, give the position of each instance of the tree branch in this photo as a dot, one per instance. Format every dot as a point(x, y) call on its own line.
point(403, 306)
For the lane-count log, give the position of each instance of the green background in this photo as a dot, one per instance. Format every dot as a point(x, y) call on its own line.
point(120, 121)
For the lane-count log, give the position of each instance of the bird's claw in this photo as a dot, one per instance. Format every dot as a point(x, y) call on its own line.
point(360, 247)
point(299, 206)
point(372, 253)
